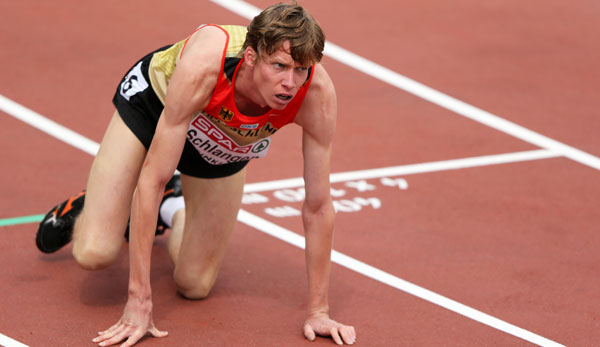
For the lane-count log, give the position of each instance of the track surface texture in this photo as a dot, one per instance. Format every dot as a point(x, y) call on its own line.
point(513, 238)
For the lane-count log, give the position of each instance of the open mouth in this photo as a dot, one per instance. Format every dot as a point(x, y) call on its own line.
point(284, 97)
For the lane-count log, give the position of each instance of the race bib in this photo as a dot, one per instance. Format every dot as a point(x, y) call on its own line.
point(217, 148)
point(134, 82)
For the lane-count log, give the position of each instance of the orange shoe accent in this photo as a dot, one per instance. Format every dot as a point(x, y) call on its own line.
point(69, 205)
point(167, 192)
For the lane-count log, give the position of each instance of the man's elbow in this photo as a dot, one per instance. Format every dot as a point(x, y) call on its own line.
point(318, 210)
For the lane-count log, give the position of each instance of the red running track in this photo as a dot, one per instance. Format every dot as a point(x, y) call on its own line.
point(517, 241)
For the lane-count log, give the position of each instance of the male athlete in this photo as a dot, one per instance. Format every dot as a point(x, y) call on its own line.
point(205, 106)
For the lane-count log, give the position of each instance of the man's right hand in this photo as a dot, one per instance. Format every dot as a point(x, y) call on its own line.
point(133, 325)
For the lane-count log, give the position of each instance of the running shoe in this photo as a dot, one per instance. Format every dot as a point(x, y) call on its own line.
point(172, 189)
point(56, 229)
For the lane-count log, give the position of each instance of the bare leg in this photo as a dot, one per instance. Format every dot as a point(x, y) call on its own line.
point(176, 234)
point(197, 249)
point(99, 230)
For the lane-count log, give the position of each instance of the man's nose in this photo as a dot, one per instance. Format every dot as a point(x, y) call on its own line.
point(288, 79)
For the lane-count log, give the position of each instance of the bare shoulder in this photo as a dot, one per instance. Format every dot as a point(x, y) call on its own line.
point(204, 49)
point(196, 73)
point(319, 109)
point(321, 91)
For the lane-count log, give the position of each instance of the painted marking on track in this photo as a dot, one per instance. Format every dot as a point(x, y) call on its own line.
point(8, 342)
point(284, 192)
point(411, 169)
point(48, 126)
point(21, 220)
point(434, 96)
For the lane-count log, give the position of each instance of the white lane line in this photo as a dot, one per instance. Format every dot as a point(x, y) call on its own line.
point(48, 126)
point(460, 107)
point(8, 342)
point(393, 281)
point(403, 170)
point(436, 97)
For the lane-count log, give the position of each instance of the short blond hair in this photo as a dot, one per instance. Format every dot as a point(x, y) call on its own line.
point(287, 22)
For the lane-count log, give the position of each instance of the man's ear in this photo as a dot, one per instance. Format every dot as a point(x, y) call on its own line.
point(250, 56)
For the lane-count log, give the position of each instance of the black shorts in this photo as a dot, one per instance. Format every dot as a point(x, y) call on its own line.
point(140, 109)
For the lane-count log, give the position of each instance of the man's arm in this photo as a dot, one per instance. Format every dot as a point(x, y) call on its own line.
point(189, 91)
point(317, 118)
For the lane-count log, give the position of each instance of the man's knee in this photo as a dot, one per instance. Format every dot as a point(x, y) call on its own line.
point(91, 257)
point(194, 287)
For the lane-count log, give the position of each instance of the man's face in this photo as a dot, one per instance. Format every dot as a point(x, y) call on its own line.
point(278, 77)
